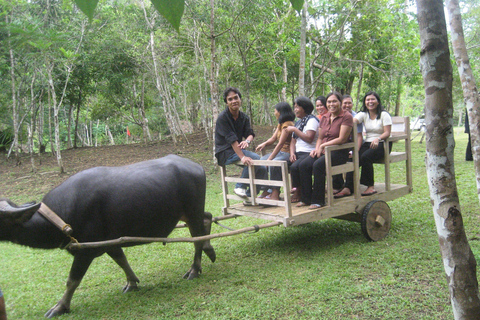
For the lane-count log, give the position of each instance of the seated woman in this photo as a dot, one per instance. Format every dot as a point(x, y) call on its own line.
point(378, 126)
point(285, 117)
point(347, 105)
point(335, 129)
point(320, 106)
point(305, 133)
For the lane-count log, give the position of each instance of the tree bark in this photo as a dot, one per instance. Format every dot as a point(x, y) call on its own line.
point(303, 44)
point(469, 86)
point(56, 121)
point(213, 64)
point(458, 259)
point(170, 123)
point(14, 97)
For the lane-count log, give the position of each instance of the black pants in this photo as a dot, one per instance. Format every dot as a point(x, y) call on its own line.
point(468, 152)
point(295, 168)
point(317, 166)
point(367, 156)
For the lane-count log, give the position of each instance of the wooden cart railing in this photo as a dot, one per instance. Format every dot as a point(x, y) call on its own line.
point(400, 131)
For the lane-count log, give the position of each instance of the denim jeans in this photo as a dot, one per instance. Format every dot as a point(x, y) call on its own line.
point(276, 172)
point(260, 171)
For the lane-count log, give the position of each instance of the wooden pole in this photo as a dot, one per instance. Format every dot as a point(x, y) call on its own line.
point(129, 240)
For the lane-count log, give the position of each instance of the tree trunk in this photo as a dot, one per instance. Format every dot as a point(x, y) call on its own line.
point(285, 79)
point(69, 127)
point(109, 135)
point(359, 88)
point(14, 98)
point(469, 86)
point(150, 24)
point(213, 84)
point(56, 121)
point(31, 125)
point(50, 138)
point(76, 120)
point(303, 44)
point(458, 259)
point(213, 64)
point(399, 94)
point(41, 122)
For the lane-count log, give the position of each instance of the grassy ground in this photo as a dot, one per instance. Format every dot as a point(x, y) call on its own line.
point(324, 270)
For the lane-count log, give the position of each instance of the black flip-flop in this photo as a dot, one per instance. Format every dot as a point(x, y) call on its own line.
point(369, 194)
point(341, 195)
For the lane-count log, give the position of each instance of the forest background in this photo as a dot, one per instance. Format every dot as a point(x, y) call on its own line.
point(127, 71)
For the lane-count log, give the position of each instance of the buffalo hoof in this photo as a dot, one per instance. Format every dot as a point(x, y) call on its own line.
point(56, 311)
point(130, 287)
point(192, 274)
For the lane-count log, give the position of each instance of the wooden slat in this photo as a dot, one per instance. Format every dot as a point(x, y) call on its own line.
point(342, 168)
point(397, 157)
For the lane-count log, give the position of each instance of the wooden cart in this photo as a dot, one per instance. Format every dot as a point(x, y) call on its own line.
point(372, 211)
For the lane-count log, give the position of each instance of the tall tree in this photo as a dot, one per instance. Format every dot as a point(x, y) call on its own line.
point(303, 46)
point(469, 86)
point(458, 259)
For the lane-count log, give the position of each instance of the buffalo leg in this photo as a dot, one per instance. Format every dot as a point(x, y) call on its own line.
point(207, 247)
point(119, 257)
point(199, 227)
point(80, 265)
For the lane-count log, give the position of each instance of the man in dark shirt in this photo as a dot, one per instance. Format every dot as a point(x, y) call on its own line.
point(232, 126)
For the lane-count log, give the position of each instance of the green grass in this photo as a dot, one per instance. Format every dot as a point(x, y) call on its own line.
point(323, 270)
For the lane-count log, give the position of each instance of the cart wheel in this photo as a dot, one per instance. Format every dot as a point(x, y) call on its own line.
point(376, 220)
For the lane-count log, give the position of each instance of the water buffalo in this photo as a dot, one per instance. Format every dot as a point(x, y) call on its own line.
point(145, 199)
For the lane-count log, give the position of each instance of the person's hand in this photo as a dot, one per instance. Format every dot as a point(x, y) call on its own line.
point(290, 129)
point(260, 147)
point(319, 151)
point(313, 153)
point(374, 144)
point(243, 145)
point(246, 160)
point(293, 158)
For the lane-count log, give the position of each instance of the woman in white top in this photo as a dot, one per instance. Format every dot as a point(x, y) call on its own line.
point(378, 125)
point(305, 134)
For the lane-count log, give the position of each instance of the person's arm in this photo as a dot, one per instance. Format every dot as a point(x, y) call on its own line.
point(243, 158)
point(307, 137)
point(270, 141)
point(247, 133)
point(283, 137)
point(386, 133)
point(293, 156)
point(342, 138)
point(245, 143)
point(317, 152)
point(359, 139)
